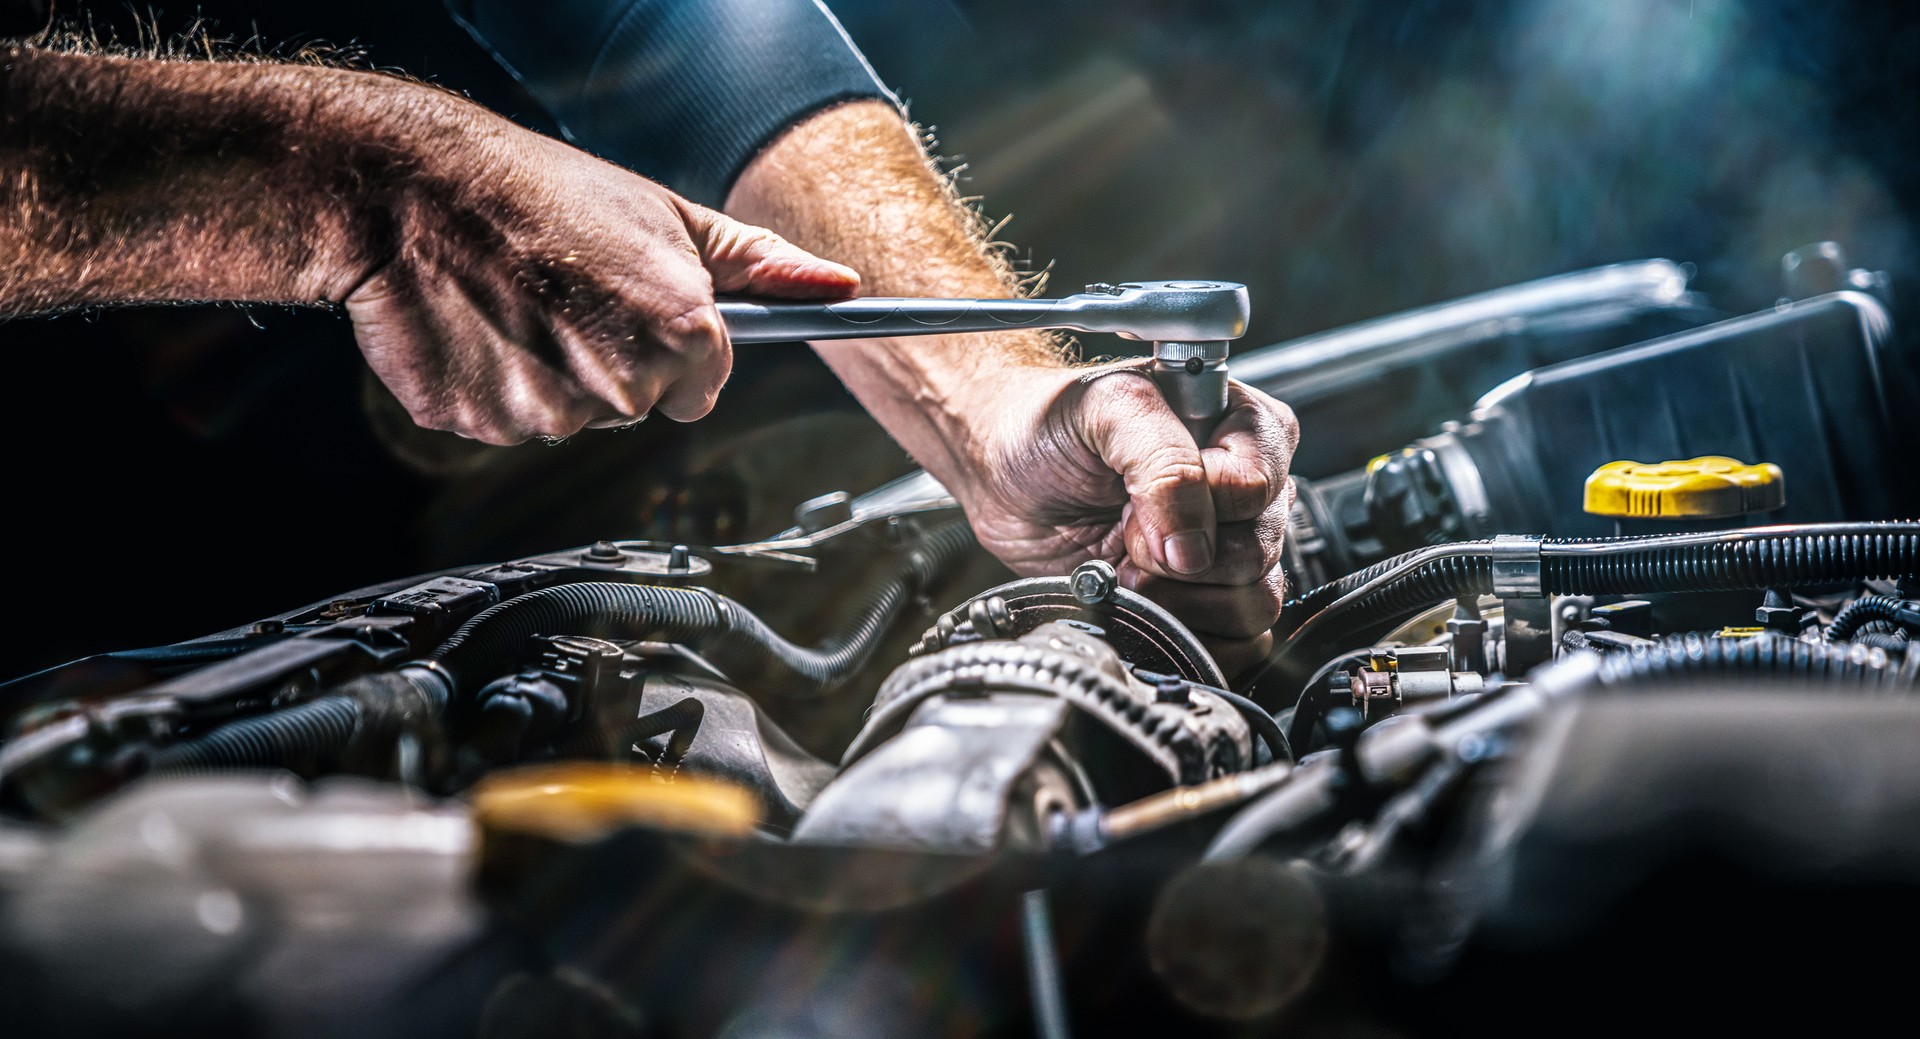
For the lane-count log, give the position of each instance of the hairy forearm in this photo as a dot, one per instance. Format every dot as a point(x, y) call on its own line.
point(129, 180)
point(853, 184)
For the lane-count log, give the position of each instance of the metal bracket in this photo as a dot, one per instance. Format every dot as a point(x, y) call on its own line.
point(1516, 566)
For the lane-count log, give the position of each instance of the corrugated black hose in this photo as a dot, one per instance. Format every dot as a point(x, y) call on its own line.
point(303, 738)
point(315, 735)
point(1332, 615)
point(1730, 560)
point(488, 644)
point(1858, 613)
point(1695, 656)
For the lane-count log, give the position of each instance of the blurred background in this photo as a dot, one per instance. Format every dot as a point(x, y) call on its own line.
point(176, 471)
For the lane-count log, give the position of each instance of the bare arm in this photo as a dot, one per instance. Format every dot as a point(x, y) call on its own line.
point(501, 283)
point(1054, 464)
point(131, 180)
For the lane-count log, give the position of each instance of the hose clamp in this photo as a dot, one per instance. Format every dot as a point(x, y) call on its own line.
point(1516, 566)
point(439, 671)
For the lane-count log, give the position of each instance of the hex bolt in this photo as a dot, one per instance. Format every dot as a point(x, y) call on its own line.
point(1093, 582)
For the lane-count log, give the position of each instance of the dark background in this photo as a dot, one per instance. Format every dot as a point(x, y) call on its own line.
point(174, 471)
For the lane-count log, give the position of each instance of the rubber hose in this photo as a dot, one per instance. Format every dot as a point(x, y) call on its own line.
point(1696, 656)
point(841, 655)
point(1732, 560)
point(489, 643)
point(1856, 614)
point(681, 718)
point(1898, 643)
point(315, 732)
point(1261, 721)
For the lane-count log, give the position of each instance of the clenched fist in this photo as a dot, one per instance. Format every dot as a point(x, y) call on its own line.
point(529, 289)
point(1093, 464)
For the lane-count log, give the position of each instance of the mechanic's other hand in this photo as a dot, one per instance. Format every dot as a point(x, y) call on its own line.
point(1092, 463)
point(523, 288)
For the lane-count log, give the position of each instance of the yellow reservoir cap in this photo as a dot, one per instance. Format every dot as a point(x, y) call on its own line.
point(1708, 487)
point(582, 801)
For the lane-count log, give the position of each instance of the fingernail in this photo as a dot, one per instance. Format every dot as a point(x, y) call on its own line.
point(1189, 552)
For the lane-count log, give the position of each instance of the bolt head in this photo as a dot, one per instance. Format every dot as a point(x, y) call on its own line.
point(1172, 689)
point(1093, 582)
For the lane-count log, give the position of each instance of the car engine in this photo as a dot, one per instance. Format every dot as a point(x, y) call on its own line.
point(1592, 701)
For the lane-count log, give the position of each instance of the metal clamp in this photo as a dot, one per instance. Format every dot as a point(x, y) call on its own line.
point(1516, 566)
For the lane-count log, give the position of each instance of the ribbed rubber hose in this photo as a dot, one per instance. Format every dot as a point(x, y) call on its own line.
point(1694, 656)
point(318, 731)
point(322, 730)
point(1858, 613)
point(1810, 554)
point(316, 734)
point(488, 644)
point(1777, 557)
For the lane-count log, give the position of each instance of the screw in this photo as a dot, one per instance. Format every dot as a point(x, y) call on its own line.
point(268, 627)
point(1093, 582)
point(1195, 366)
point(605, 551)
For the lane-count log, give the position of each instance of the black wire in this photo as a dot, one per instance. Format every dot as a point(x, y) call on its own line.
point(1306, 710)
point(1260, 721)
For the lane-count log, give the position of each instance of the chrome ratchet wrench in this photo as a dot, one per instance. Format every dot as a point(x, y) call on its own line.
point(1189, 324)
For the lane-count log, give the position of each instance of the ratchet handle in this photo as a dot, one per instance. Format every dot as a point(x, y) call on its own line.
point(1189, 324)
point(1148, 311)
point(752, 321)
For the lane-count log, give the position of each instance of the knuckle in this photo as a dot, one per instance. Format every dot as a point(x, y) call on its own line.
point(1173, 468)
point(548, 419)
point(1126, 390)
point(1276, 591)
point(697, 330)
point(496, 433)
point(432, 416)
point(632, 395)
point(1285, 419)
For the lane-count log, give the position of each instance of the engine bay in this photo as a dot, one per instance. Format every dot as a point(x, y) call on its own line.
point(1589, 691)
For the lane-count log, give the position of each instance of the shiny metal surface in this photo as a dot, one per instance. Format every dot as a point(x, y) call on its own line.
point(1516, 565)
point(1150, 311)
point(1592, 297)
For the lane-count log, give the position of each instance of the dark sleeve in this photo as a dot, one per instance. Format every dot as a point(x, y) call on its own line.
point(22, 18)
point(684, 91)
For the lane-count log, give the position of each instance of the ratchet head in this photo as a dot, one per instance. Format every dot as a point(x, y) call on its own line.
point(1169, 311)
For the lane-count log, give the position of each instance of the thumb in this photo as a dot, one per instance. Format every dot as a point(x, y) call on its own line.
point(742, 258)
point(1170, 524)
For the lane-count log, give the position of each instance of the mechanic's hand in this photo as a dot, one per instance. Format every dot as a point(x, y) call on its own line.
point(1092, 463)
point(525, 288)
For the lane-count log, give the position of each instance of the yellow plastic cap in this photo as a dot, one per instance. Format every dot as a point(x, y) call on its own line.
point(581, 801)
point(1708, 487)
